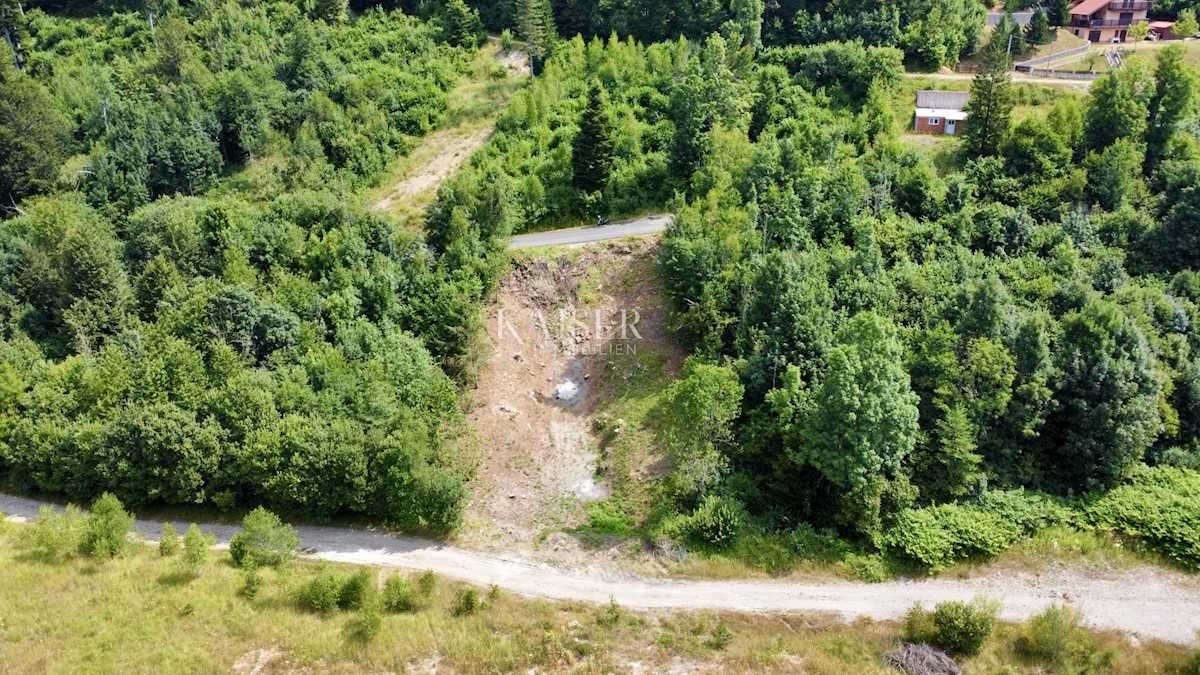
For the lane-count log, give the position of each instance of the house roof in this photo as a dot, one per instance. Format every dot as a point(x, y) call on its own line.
point(1162, 25)
point(1089, 7)
point(958, 115)
point(946, 100)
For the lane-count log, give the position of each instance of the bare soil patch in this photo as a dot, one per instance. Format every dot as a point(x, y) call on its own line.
point(557, 330)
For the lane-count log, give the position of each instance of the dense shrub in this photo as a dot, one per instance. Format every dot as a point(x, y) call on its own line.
point(957, 627)
point(1055, 638)
point(263, 541)
point(940, 535)
point(197, 548)
point(398, 595)
point(57, 536)
point(108, 529)
point(715, 524)
point(467, 602)
point(356, 590)
point(169, 542)
point(321, 592)
point(1161, 505)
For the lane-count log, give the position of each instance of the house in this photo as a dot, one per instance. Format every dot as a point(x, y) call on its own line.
point(941, 112)
point(1106, 20)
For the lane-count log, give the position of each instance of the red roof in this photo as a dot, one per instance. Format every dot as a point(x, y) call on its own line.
point(1089, 7)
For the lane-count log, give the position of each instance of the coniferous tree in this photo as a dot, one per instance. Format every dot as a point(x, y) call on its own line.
point(536, 22)
point(991, 102)
point(1038, 31)
point(34, 136)
point(1060, 12)
point(592, 151)
point(463, 25)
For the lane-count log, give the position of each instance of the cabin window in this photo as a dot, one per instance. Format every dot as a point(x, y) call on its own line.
point(934, 120)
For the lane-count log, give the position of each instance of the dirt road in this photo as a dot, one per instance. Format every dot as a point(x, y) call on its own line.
point(1146, 602)
point(585, 235)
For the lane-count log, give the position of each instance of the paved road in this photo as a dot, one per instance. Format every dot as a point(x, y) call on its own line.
point(584, 235)
point(1145, 601)
point(1019, 18)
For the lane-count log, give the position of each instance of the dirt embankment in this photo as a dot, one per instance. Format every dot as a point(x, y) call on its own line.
point(559, 331)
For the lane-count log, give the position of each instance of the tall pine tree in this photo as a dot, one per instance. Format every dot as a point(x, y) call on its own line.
point(991, 101)
point(536, 22)
point(592, 151)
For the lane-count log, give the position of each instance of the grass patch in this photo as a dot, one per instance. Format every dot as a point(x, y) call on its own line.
point(87, 617)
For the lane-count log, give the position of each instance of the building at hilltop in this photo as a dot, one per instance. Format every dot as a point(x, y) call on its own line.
point(1107, 20)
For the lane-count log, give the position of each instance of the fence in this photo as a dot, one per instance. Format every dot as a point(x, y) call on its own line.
point(1027, 66)
point(1064, 74)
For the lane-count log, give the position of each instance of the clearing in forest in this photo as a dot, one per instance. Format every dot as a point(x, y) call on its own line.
point(474, 106)
point(576, 337)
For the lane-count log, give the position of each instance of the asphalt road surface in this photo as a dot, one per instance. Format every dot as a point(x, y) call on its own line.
point(584, 235)
point(1142, 601)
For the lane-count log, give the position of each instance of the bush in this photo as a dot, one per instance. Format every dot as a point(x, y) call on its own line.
point(356, 590)
point(252, 582)
point(715, 524)
point(938, 536)
point(869, 568)
point(169, 542)
point(369, 623)
point(721, 637)
point(427, 583)
point(398, 595)
point(57, 536)
point(506, 40)
point(1159, 505)
point(1054, 638)
point(197, 548)
point(264, 540)
point(958, 627)
point(467, 603)
point(321, 593)
point(108, 529)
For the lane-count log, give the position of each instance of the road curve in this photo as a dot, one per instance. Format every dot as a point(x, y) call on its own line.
point(584, 235)
point(1147, 602)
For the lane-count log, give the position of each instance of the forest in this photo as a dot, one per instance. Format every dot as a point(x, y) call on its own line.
point(929, 355)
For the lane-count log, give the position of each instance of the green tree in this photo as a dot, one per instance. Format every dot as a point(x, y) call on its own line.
point(1107, 394)
point(1060, 12)
point(594, 145)
point(1186, 24)
point(1138, 32)
point(1113, 174)
point(535, 22)
point(698, 413)
point(332, 11)
point(1038, 31)
point(878, 112)
point(1116, 111)
point(34, 136)
point(1174, 90)
point(864, 422)
point(747, 20)
point(991, 102)
point(463, 24)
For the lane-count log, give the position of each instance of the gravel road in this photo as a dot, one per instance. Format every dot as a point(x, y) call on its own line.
point(586, 235)
point(1145, 602)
